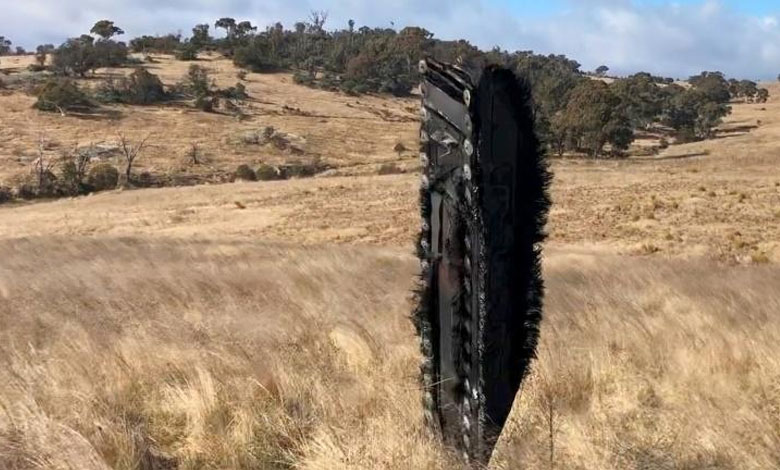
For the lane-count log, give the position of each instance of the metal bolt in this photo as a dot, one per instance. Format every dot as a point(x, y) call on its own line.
point(467, 123)
point(424, 137)
point(467, 172)
point(466, 423)
point(423, 67)
point(424, 159)
point(468, 147)
point(467, 97)
point(425, 182)
point(466, 441)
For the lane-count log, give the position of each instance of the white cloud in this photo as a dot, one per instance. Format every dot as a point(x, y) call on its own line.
point(669, 39)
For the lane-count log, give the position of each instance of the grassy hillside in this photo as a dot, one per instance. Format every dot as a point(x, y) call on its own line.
point(265, 325)
point(352, 134)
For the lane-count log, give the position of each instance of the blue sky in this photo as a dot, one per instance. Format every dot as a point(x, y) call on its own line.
point(548, 7)
point(667, 37)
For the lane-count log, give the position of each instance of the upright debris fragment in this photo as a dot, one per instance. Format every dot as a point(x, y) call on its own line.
point(484, 206)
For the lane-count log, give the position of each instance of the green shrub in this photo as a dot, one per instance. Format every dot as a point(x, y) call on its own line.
point(70, 180)
point(197, 84)
point(146, 180)
point(237, 92)
point(301, 170)
point(685, 135)
point(102, 177)
point(26, 191)
point(206, 103)
point(34, 185)
point(163, 44)
point(267, 173)
point(390, 169)
point(5, 194)
point(61, 94)
point(302, 78)
point(187, 52)
point(243, 172)
point(142, 87)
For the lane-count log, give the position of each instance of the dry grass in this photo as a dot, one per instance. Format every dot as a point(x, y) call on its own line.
point(652, 364)
point(134, 352)
point(126, 352)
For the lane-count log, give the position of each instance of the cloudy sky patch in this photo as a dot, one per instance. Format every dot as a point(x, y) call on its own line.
point(670, 38)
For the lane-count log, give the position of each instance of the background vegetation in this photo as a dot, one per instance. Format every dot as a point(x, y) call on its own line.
point(578, 112)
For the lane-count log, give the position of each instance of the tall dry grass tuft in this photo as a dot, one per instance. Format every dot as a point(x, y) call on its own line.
point(133, 354)
point(652, 364)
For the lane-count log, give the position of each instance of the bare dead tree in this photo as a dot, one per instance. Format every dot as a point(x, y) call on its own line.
point(318, 19)
point(41, 166)
point(130, 152)
point(82, 161)
point(74, 167)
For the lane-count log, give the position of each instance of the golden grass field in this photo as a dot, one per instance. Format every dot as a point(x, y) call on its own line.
point(265, 325)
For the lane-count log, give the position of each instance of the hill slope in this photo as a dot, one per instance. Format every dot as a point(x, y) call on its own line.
point(342, 131)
